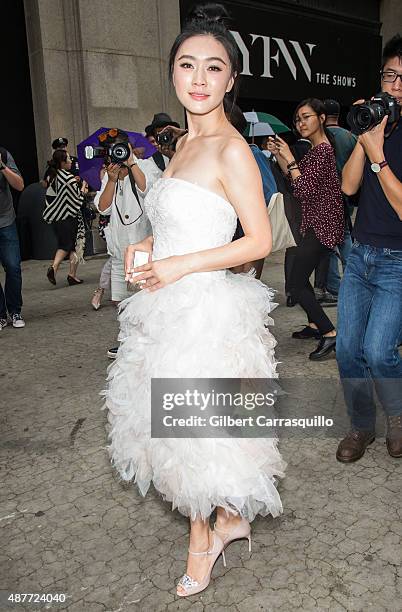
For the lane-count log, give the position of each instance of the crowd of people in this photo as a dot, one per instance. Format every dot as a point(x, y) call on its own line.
point(211, 170)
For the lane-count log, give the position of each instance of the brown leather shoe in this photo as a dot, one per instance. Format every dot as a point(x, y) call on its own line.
point(394, 436)
point(354, 445)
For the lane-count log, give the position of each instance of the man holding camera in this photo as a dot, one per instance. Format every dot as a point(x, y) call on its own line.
point(163, 133)
point(370, 297)
point(121, 196)
point(10, 258)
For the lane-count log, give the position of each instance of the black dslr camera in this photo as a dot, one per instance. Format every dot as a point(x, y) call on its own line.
point(165, 139)
point(363, 117)
point(117, 152)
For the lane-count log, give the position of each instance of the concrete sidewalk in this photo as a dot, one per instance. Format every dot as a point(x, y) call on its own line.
point(68, 526)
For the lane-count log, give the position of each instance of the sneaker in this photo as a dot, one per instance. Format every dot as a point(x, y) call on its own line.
point(17, 320)
point(3, 323)
point(112, 353)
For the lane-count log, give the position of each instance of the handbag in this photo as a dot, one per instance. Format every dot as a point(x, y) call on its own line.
point(282, 236)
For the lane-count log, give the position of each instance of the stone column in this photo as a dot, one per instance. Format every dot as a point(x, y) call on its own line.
point(391, 18)
point(99, 63)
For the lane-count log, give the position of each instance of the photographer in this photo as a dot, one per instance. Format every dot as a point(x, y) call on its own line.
point(370, 297)
point(122, 197)
point(162, 123)
point(10, 258)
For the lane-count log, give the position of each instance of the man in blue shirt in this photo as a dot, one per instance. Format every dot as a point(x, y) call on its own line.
point(370, 297)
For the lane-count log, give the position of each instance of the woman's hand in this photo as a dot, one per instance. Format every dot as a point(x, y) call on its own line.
point(158, 274)
point(145, 245)
point(113, 172)
point(280, 149)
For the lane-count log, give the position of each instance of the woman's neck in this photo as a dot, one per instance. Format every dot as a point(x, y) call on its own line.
point(318, 138)
point(205, 125)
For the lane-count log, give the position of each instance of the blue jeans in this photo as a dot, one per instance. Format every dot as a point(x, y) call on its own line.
point(333, 278)
point(10, 258)
point(369, 332)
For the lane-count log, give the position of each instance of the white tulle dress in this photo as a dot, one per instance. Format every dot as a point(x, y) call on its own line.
point(208, 324)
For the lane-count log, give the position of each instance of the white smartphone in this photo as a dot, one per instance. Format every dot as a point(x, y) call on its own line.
point(140, 259)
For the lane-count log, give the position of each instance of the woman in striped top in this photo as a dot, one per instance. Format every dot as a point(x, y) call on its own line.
point(64, 200)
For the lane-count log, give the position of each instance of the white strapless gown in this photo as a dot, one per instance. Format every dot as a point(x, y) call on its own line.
point(206, 325)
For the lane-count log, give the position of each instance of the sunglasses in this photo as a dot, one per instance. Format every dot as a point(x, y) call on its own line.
point(112, 133)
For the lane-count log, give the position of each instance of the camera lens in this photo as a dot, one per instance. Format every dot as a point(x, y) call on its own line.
point(119, 152)
point(363, 118)
point(165, 139)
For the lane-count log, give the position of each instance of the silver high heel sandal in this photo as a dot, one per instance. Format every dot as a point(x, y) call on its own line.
point(240, 532)
point(191, 586)
point(97, 298)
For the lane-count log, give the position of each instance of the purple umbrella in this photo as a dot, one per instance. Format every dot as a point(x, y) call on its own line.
point(90, 168)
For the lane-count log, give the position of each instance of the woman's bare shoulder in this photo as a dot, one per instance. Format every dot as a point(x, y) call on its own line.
point(234, 149)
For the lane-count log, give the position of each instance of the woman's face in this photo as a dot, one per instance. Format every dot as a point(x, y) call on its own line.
point(307, 122)
point(202, 74)
point(67, 164)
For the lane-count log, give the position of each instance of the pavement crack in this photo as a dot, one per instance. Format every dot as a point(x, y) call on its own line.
point(78, 424)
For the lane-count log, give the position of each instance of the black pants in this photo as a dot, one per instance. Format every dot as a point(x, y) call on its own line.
point(321, 271)
point(305, 257)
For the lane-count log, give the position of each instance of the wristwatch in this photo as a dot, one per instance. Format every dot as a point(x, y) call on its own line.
point(378, 167)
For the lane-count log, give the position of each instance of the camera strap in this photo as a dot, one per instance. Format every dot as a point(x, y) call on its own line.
point(134, 190)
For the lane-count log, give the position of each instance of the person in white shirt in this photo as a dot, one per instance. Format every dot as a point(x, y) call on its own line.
point(122, 197)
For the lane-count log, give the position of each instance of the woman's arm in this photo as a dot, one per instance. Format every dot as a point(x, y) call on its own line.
point(241, 181)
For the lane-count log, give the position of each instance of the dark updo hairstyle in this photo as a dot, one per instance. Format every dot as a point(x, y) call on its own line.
point(235, 115)
point(318, 107)
point(210, 19)
point(58, 157)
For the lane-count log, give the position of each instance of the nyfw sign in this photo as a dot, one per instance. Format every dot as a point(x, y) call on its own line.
point(291, 52)
point(290, 55)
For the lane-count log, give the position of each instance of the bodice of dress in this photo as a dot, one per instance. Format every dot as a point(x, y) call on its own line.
point(187, 218)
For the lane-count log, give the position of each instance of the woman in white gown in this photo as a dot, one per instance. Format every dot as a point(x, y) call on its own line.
point(193, 317)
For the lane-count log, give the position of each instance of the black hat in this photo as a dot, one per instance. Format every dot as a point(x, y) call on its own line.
point(59, 142)
point(332, 107)
point(160, 120)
